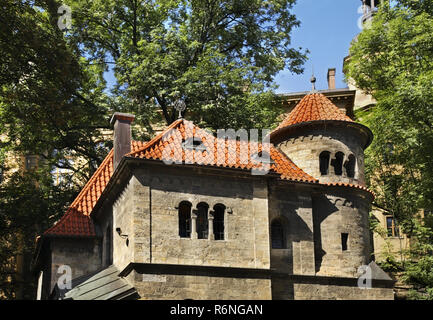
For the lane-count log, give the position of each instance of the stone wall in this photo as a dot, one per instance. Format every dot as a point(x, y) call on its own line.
point(335, 214)
point(336, 292)
point(200, 285)
point(246, 240)
point(83, 256)
point(293, 206)
point(305, 148)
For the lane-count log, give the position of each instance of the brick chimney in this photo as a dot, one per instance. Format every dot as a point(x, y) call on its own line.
point(331, 78)
point(122, 135)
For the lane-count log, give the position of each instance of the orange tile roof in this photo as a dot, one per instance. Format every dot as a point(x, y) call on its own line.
point(168, 146)
point(313, 107)
point(76, 221)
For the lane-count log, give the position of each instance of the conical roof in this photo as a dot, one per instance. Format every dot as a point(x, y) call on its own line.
point(314, 107)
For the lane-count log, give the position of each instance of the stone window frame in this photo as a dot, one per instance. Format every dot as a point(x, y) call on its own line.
point(337, 162)
point(284, 232)
point(350, 166)
point(347, 168)
point(394, 228)
point(184, 223)
point(322, 159)
point(194, 215)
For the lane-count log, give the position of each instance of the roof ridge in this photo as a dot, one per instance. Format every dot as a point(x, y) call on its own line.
point(157, 137)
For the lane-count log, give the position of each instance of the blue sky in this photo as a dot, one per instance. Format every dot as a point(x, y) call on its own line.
point(327, 28)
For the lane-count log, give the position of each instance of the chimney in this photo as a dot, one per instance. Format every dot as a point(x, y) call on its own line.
point(122, 135)
point(331, 78)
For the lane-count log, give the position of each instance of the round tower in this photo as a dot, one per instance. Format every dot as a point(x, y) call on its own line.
point(323, 141)
point(328, 145)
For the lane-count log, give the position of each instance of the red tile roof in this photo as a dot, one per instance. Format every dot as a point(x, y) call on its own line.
point(76, 221)
point(314, 107)
point(168, 146)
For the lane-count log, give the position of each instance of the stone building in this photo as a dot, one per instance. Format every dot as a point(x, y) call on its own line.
point(189, 215)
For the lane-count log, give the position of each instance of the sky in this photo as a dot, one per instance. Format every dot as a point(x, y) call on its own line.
point(326, 30)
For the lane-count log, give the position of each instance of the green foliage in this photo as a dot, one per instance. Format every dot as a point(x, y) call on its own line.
point(29, 204)
point(219, 56)
point(50, 100)
point(393, 60)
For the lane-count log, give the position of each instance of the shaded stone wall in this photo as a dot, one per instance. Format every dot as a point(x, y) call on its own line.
point(304, 150)
point(165, 286)
point(131, 215)
point(335, 214)
point(293, 206)
point(340, 292)
point(246, 239)
point(83, 256)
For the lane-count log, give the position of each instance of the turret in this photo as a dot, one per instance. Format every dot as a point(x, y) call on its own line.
point(323, 141)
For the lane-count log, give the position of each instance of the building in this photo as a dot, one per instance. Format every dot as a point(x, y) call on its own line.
point(388, 239)
point(225, 219)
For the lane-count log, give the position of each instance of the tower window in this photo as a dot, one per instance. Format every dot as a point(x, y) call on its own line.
point(202, 221)
point(350, 166)
point(324, 162)
point(277, 235)
point(337, 163)
point(185, 219)
point(344, 238)
point(218, 222)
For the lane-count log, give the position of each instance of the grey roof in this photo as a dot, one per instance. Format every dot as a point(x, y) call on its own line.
point(105, 285)
point(377, 273)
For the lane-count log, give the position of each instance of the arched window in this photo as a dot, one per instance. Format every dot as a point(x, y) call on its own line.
point(277, 235)
point(337, 163)
point(185, 219)
point(202, 221)
point(324, 162)
point(218, 222)
point(350, 166)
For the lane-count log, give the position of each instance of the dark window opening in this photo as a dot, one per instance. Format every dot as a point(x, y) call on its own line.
point(350, 166)
point(193, 144)
point(324, 162)
point(185, 220)
point(277, 235)
point(218, 222)
point(202, 221)
point(391, 227)
point(31, 162)
point(344, 238)
point(337, 163)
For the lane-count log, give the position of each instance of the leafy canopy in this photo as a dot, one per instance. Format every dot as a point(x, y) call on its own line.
point(393, 60)
point(219, 56)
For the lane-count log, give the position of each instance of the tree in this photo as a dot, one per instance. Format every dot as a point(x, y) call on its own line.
point(219, 56)
point(393, 61)
point(51, 101)
point(51, 105)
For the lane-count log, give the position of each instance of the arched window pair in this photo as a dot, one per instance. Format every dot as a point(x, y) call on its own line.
point(202, 223)
point(337, 163)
